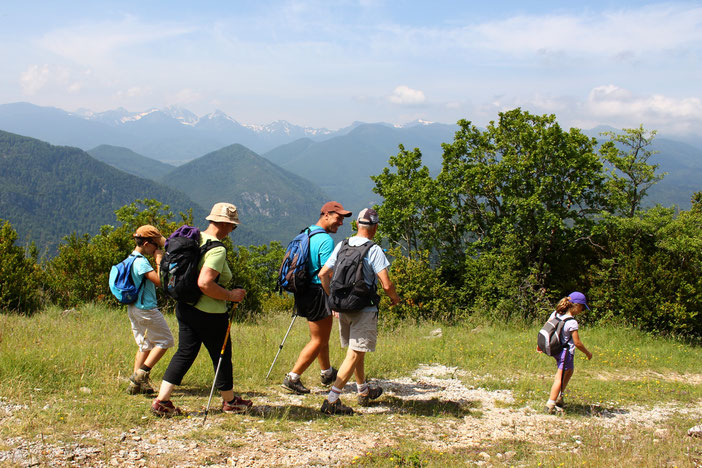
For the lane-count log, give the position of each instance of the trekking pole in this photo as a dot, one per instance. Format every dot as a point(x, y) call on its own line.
point(280, 348)
point(221, 355)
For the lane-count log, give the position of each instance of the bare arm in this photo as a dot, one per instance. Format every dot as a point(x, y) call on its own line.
point(579, 344)
point(388, 286)
point(325, 276)
point(207, 282)
point(153, 275)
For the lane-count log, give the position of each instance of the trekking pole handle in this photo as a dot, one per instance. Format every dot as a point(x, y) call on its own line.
point(232, 309)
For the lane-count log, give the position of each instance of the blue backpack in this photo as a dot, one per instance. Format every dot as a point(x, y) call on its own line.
point(293, 275)
point(121, 283)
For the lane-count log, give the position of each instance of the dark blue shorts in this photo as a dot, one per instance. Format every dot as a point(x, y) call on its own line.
point(312, 304)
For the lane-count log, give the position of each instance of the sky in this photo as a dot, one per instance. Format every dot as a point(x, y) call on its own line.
point(330, 63)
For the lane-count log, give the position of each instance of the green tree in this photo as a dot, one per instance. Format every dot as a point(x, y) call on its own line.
point(523, 180)
point(20, 276)
point(409, 207)
point(80, 271)
point(649, 271)
point(631, 175)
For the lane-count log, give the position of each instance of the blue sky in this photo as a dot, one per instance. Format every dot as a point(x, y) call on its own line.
point(327, 64)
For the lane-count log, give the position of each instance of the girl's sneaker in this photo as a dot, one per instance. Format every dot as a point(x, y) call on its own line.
point(559, 401)
point(164, 408)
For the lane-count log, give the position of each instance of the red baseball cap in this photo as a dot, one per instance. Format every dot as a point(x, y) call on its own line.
point(336, 208)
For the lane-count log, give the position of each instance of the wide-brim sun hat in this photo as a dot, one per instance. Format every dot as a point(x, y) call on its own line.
point(224, 213)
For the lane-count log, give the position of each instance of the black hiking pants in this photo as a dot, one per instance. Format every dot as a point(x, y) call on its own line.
point(196, 328)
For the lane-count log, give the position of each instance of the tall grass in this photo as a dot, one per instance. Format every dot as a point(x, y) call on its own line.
point(70, 369)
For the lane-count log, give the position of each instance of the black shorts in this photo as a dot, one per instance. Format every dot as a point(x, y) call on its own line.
point(312, 304)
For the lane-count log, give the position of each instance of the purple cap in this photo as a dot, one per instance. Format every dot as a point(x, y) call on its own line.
point(578, 298)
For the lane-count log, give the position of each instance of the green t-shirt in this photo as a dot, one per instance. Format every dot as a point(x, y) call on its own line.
point(217, 260)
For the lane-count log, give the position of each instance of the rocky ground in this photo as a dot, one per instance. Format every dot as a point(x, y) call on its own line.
point(462, 417)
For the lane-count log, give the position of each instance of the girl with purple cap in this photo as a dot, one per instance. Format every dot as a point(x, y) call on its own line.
point(567, 309)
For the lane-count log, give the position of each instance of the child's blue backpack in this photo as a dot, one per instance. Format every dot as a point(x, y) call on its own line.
point(121, 283)
point(293, 275)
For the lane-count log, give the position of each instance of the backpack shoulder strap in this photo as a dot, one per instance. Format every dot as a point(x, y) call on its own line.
point(365, 249)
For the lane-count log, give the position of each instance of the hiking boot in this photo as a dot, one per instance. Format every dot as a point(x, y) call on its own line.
point(164, 408)
point(294, 386)
point(237, 405)
point(327, 381)
point(373, 393)
point(134, 389)
point(141, 378)
point(335, 408)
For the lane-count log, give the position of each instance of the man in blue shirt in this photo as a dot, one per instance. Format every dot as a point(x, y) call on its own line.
point(312, 304)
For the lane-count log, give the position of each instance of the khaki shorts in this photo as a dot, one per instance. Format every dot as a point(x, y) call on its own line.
point(359, 330)
point(150, 329)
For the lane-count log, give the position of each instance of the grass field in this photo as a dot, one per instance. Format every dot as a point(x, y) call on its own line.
point(466, 395)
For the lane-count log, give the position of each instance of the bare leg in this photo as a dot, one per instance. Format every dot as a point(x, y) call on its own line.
point(317, 347)
point(164, 393)
point(154, 356)
point(360, 369)
point(556, 387)
point(348, 367)
point(139, 359)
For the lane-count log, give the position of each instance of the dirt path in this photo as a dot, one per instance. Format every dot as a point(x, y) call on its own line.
point(465, 417)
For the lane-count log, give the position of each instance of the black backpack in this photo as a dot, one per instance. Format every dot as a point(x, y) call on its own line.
point(179, 265)
point(348, 291)
point(550, 336)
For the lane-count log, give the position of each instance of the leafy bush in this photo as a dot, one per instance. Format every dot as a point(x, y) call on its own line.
point(650, 271)
point(20, 276)
point(80, 272)
point(255, 269)
point(423, 294)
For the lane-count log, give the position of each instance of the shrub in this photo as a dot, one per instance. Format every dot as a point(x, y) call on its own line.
point(423, 294)
point(650, 273)
point(80, 272)
point(20, 276)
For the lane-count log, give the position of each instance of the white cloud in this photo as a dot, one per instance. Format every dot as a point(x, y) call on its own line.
point(34, 79)
point(38, 78)
point(610, 102)
point(94, 42)
point(405, 95)
point(654, 28)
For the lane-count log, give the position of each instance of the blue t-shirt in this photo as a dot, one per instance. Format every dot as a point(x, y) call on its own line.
point(147, 294)
point(321, 246)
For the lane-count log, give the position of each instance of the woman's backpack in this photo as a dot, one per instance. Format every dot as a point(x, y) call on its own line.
point(180, 263)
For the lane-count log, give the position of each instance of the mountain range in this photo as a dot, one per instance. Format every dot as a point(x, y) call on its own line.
point(278, 190)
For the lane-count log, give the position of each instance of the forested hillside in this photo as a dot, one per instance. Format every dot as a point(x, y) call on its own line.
point(48, 191)
point(274, 203)
point(130, 162)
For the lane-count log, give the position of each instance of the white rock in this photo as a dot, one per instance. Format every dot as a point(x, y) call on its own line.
point(695, 431)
